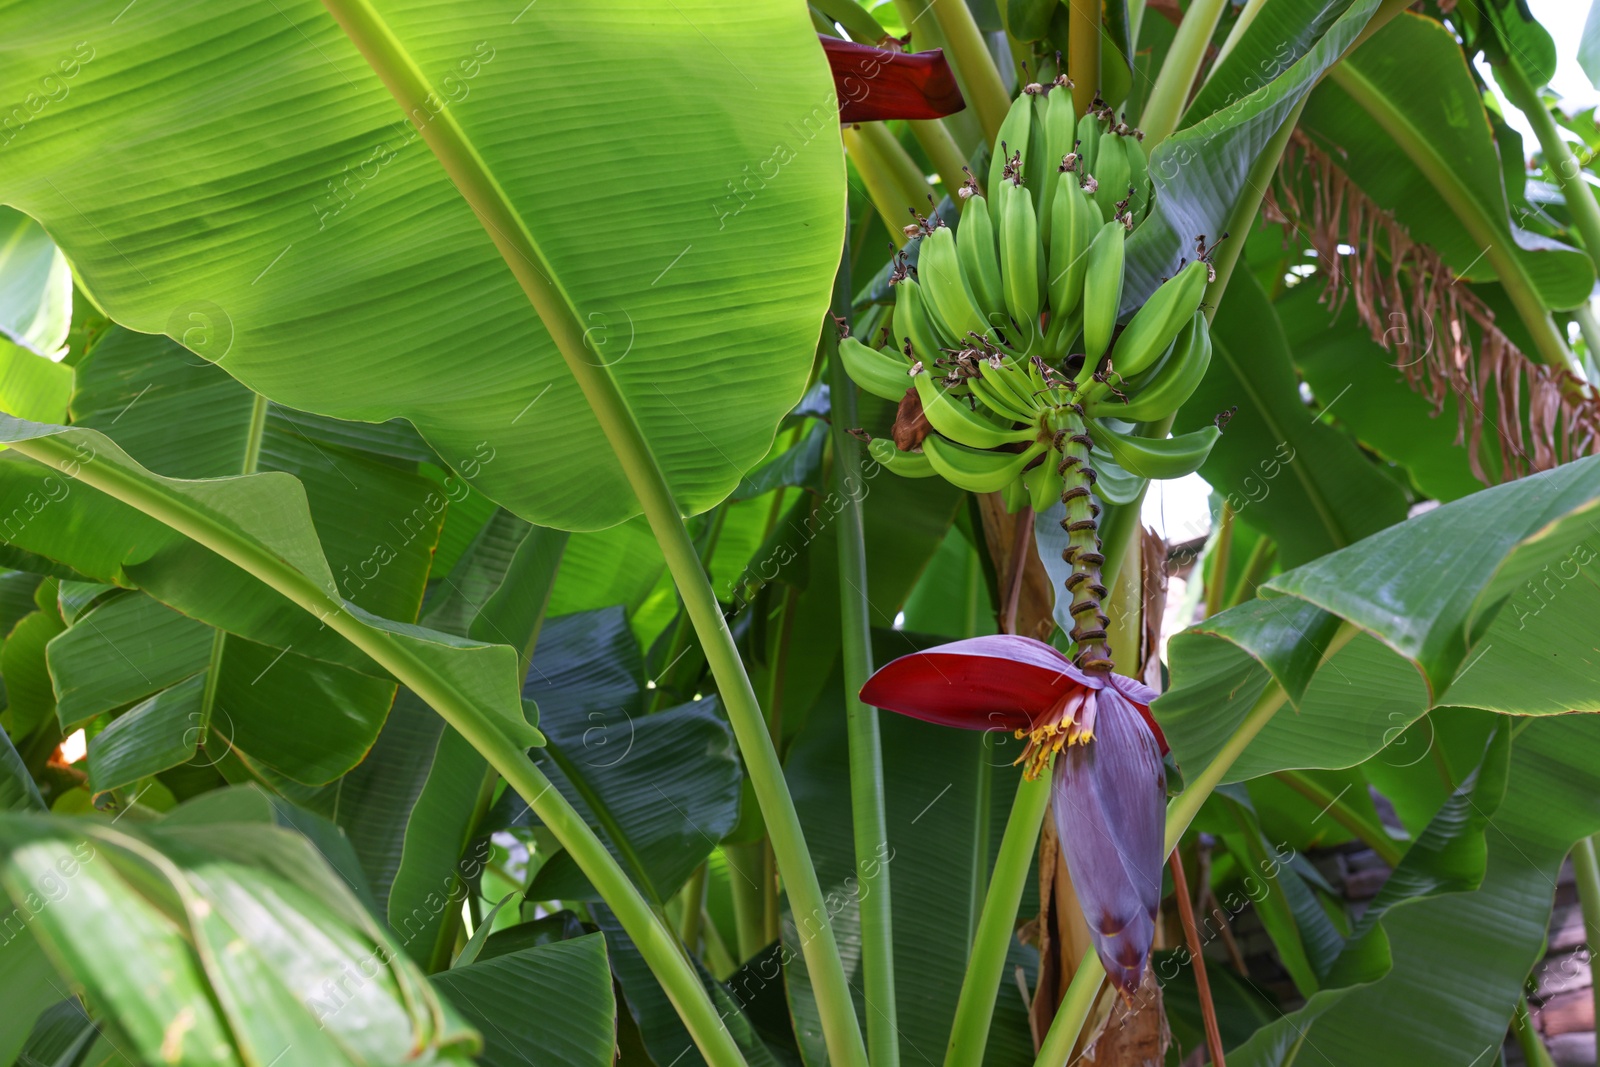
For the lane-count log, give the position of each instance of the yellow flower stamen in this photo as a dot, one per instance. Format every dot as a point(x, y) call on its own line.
point(1070, 722)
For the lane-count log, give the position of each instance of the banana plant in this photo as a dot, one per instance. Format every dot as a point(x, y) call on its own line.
point(471, 479)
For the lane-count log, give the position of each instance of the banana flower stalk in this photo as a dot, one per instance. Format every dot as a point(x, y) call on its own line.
point(1108, 791)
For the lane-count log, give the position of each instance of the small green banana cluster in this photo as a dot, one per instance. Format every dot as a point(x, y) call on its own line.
point(1007, 335)
point(1007, 327)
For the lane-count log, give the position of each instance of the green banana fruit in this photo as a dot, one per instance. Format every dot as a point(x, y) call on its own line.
point(1176, 379)
point(1015, 131)
point(1015, 382)
point(1064, 329)
point(1139, 178)
point(913, 322)
point(977, 470)
point(980, 259)
point(1014, 496)
point(1115, 486)
point(951, 417)
point(1102, 290)
point(1150, 457)
point(1073, 222)
point(1019, 255)
point(1154, 325)
point(998, 399)
point(1089, 129)
point(1060, 130)
point(874, 370)
point(1112, 172)
point(945, 286)
point(905, 464)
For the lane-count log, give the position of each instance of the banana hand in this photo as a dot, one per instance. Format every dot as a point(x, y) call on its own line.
point(1044, 485)
point(1115, 486)
point(999, 399)
point(956, 421)
point(1154, 325)
point(874, 370)
point(1149, 457)
point(905, 464)
point(975, 470)
point(1174, 382)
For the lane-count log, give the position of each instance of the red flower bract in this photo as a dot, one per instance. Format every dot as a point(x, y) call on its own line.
point(877, 83)
point(995, 682)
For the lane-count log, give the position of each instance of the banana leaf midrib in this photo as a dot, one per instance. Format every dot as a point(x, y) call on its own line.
point(219, 640)
point(1419, 148)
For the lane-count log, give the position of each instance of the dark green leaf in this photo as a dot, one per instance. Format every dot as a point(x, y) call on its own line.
point(1305, 485)
point(547, 1005)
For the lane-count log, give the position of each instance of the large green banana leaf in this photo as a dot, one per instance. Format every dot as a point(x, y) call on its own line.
point(1200, 172)
point(1479, 603)
point(411, 807)
point(253, 936)
point(660, 1031)
point(263, 517)
point(18, 791)
point(1279, 34)
point(238, 178)
point(1375, 404)
point(1448, 857)
point(661, 790)
point(546, 1004)
point(1487, 940)
point(30, 699)
point(1305, 485)
point(1407, 123)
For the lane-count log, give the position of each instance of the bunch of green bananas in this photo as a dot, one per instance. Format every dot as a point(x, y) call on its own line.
point(984, 325)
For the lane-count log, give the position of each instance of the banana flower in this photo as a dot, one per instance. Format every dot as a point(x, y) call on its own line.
point(1108, 791)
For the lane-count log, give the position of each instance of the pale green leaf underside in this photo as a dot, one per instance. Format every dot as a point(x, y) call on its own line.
point(237, 177)
point(35, 286)
point(262, 517)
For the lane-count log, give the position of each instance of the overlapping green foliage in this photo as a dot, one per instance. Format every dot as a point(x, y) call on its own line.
point(279, 435)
